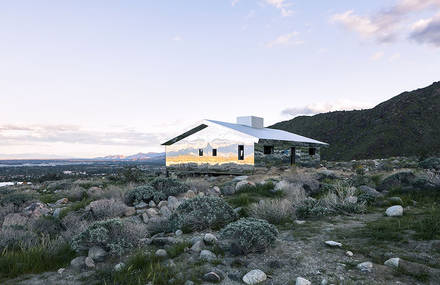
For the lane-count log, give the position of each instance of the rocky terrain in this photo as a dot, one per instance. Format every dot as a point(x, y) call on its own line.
point(357, 222)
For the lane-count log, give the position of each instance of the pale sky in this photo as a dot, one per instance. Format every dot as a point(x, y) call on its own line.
point(93, 78)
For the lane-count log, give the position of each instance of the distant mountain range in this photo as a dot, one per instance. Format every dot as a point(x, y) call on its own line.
point(407, 124)
point(150, 156)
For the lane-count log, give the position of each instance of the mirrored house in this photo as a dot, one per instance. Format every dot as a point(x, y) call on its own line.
point(227, 147)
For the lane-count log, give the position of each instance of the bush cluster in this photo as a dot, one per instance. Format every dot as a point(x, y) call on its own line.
point(201, 213)
point(250, 234)
point(144, 193)
point(113, 235)
point(274, 211)
point(169, 186)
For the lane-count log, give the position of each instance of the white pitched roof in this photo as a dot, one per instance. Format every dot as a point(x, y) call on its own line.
point(267, 133)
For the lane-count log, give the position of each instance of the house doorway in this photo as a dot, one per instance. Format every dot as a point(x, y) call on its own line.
point(292, 155)
point(241, 152)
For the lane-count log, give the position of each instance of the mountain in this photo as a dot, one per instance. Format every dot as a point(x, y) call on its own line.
point(150, 156)
point(407, 124)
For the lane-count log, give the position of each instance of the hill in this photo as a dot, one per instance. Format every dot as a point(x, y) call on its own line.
point(150, 156)
point(407, 124)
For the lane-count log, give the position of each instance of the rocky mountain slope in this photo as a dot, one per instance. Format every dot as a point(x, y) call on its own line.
point(407, 124)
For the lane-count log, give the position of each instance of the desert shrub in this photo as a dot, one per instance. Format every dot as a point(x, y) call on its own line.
point(6, 210)
point(73, 225)
point(112, 235)
point(75, 193)
point(107, 208)
point(197, 184)
point(76, 206)
point(294, 192)
point(143, 193)
point(265, 190)
point(18, 199)
point(49, 226)
point(15, 238)
point(250, 234)
point(201, 213)
point(341, 199)
point(169, 186)
point(431, 163)
point(241, 200)
point(44, 256)
point(274, 211)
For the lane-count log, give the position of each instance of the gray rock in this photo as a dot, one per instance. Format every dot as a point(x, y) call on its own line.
point(173, 203)
point(78, 263)
point(213, 277)
point(36, 210)
point(402, 179)
point(254, 277)
point(119, 266)
point(190, 194)
point(207, 255)
point(178, 233)
point(152, 204)
point(161, 253)
point(366, 266)
point(364, 189)
point(302, 281)
point(152, 212)
point(198, 246)
point(395, 200)
point(165, 211)
point(130, 211)
point(145, 218)
point(61, 270)
point(89, 262)
point(210, 238)
point(162, 203)
point(62, 201)
point(333, 243)
point(141, 205)
point(57, 212)
point(240, 178)
point(394, 211)
point(392, 262)
point(349, 253)
point(97, 253)
point(242, 184)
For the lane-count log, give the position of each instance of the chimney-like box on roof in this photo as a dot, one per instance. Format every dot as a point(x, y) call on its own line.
point(251, 121)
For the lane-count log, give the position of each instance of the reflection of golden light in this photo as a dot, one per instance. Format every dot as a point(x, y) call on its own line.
point(213, 160)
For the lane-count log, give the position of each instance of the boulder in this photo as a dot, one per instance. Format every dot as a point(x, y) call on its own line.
point(431, 163)
point(364, 189)
point(161, 253)
point(145, 218)
point(349, 253)
point(213, 277)
point(78, 263)
point(97, 253)
point(36, 210)
point(151, 204)
point(240, 178)
point(254, 277)
point(394, 211)
point(392, 262)
point(173, 203)
point(190, 194)
point(152, 212)
point(141, 205)
point(198, 246)
point(207, 255)
point(119, 266)
point(302, 281)
point(210, 238)
point(395, 201)
point(57, 212)
point(366, 266)
point(165, 211)
point(402, 179)
point(162, 203)
point(242, 184)
point(89, 262)
point(62, 201)
point(178, 233)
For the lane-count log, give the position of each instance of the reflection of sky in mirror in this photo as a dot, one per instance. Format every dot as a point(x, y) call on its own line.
point(91, 78)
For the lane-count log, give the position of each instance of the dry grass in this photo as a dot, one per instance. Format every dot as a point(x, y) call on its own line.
point(197, 184)
point(275, 211)
point(107, 208)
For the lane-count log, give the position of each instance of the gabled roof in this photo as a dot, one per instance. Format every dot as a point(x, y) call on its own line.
point(260, 133)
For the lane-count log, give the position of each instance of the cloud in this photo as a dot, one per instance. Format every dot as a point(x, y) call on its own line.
point(394, 57)
point(317, 108)
point(281, 5)
point(378, 55)
point(177, 38)
point(427, 31)
point(287, 39)
point(38, 134)
point(388, 24)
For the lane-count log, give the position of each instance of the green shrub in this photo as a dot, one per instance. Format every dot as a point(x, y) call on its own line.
point(113, 235)
point(144, 193)
point(177, 249)
point(16, 238)
point(431, 163)
point(311, 207)
point(49, 226)
point(169, 186)
point(265, 190)
point(141, 268)
point(250, 234)
point(40, 258)
point(18, 199)
point(201, 213)
point(241, 200)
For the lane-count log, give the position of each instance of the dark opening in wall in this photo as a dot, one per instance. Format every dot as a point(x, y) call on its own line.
point(200, 151)
point(241, 152)
point(214, 152)
point(268, 149)
point(312, 151)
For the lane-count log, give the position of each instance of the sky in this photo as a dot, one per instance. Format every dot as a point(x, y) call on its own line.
point(82, 79)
